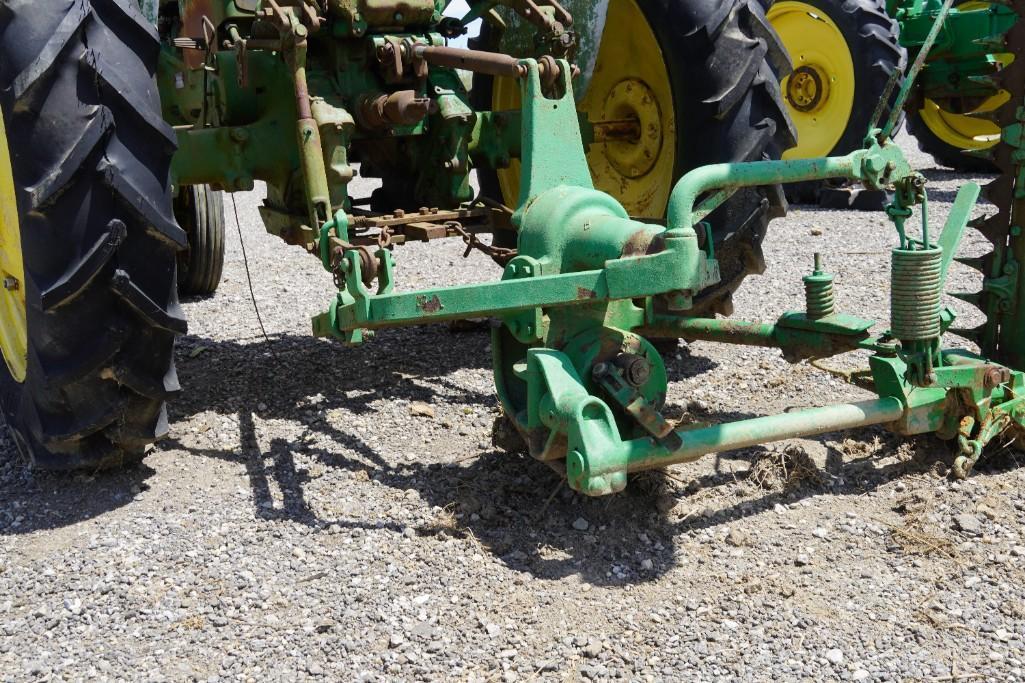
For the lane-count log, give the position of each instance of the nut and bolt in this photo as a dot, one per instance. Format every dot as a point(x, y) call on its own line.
point(11, 283)
point(636, 369)
point(995, 376)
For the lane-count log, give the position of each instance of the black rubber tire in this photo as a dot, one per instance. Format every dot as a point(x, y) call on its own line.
point(90, 157)
point(872, 37)
point(200, 212)
point(725, 64)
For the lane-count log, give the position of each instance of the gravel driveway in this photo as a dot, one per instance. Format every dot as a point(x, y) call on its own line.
point(340, 513)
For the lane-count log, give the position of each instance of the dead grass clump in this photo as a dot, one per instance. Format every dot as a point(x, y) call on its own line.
point(912, 536)
point(786, 469)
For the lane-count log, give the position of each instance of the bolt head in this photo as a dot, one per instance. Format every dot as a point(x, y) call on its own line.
point(11, 283)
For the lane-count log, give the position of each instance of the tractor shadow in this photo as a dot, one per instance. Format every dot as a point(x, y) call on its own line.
point(517, 509)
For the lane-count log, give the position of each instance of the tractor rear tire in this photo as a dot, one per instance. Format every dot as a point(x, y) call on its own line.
point(84, 161)
point(843, 53)
point(724, 65)
point(200, 212)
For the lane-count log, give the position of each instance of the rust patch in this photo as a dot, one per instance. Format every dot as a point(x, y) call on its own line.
point(429, 305)
point(585, 293)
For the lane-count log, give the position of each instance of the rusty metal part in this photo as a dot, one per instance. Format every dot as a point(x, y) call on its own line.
point(368, 263)
point(489, 63)
point(995, 376)
point(621, 130)
point(532, 12)
point(425, 225)
point(500, 254)
point(636, 369)
point(402, 108)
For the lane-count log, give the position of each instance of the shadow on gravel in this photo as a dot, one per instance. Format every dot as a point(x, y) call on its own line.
point(34, 501)
point(517, 509)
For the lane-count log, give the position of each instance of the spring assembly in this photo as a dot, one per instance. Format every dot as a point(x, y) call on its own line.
point(915, 293)
point(818, 292)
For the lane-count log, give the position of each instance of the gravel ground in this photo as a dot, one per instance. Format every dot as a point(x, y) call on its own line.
point(310, 517)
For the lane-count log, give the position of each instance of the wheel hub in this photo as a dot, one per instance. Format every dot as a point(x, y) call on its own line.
point(805, 89)
point(631, 99)
point(13, 330)
point(820, 91)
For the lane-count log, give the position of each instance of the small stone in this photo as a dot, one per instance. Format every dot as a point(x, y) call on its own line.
point(421, 409)
point(802, 560)
point(592, 649)
point(729, 624)
point(1002, 634)
point(737, 537)
point(507, 654)
point(834, 656)
point(396, 640)
point(820, 532)
point(815, 232)
point(779, 509)
point(492, 629)
point(1018, 551)
point(580, 524)
point(860, 675)
point(995, 656)
point(73, 605)
point(968, 523)
point(647, 564)
point(314, 669)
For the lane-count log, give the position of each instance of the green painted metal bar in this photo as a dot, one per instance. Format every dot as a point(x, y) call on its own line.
point(640, 454)
point(478, 300)
point(731, 176)
point(713, 330)
point(957, 221)
point(745, 433)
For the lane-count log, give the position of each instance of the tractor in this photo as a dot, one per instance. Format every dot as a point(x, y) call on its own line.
point(844, 52)
point(628, 158)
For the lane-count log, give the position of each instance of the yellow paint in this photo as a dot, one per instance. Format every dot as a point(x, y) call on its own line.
point(960, 131)
point(630, 80)
point(13, 329)
point(820, 94)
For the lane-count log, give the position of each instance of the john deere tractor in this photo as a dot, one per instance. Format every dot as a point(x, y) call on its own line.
point(626, 156)
point(844, 51)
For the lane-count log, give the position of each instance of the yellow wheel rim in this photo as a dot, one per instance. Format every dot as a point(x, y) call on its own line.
point(960, 131)
point(13, 329)
point(820, 92)
point(630, 82)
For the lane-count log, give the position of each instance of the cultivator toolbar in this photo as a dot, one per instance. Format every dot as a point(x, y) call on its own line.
point(588, 287)
point(295, 93)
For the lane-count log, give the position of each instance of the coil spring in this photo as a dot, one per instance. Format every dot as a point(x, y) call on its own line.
point(818, 296)
point(915, 293)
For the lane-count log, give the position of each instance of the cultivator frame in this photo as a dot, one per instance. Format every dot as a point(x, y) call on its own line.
point(586, 285)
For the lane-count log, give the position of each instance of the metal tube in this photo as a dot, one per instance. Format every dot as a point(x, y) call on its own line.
point(744, 433)
point(490, 63)
point(750, 174)
point(713, 330)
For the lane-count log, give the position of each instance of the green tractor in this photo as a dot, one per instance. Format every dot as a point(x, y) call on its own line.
point(844, 51)
point(627, 155)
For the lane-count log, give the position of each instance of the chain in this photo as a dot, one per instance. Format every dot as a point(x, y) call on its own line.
point(500, 254)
